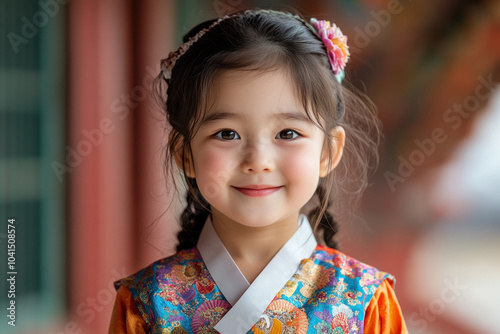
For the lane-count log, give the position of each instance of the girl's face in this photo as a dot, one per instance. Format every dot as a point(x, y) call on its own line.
point(257, 158)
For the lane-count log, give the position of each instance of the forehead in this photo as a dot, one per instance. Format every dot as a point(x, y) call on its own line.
point(264, 93)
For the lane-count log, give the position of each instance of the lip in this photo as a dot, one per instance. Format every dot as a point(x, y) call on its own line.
point(258, 190)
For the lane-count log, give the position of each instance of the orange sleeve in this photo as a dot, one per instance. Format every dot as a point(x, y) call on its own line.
point(126, 318)
point(383, 314)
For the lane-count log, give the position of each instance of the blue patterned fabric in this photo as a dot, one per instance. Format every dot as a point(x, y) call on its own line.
point(328, 293)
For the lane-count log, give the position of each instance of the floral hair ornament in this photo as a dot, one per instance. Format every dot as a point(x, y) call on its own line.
point(331, 36)
point(336, 45)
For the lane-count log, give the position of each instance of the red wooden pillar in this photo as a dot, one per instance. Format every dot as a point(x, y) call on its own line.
point(100, 194)
point(111, 141)
point(155, 26)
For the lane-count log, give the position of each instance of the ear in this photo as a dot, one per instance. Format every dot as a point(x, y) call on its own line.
point(337, 143)
point(188, 167)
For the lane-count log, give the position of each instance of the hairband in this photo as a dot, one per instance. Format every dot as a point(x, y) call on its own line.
point(168, 63)
point(331, 36)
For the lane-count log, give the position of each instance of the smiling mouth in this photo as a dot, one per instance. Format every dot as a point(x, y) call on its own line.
point(258, 191)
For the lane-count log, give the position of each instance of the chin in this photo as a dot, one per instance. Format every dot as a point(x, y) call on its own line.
point(260, 223)
point(260, 219)
point(253, 222)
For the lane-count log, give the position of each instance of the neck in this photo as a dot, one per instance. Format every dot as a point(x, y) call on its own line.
point(253, 247)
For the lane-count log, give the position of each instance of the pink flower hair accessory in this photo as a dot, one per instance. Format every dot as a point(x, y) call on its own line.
point(336, 45)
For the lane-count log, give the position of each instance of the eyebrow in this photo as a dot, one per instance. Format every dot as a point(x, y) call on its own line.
point(296, 116)
point(222, 115)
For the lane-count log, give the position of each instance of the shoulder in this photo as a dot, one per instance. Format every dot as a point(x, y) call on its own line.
point(153, 273)
point(161, 279)
point(332, 259)
point(334, 288)
point(149, 274)
point(343, 278)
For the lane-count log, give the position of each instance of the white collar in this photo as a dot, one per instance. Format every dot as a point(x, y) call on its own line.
point(249, 301)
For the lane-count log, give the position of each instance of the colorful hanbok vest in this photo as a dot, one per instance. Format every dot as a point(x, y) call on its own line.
point(328, 293)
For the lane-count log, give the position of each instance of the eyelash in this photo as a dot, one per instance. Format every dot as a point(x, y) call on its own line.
point(297, 134)
point(225, 130)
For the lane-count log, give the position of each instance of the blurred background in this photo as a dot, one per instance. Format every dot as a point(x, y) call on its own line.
point(81, 151)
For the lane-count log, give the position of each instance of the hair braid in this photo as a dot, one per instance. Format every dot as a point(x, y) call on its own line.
point(193, 217)
point(327, 224)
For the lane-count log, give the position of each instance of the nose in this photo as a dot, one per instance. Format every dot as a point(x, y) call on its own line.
point(257, 158)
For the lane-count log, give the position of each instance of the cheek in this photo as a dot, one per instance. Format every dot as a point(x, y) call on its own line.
point(213, 167)
point(302, 166)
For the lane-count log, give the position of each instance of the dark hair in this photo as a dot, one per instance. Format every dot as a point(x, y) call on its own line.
point(264, 40)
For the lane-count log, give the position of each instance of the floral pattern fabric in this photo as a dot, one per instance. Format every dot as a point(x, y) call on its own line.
point(328, 293)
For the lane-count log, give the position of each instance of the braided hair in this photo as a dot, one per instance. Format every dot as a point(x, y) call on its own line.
point(193, 217)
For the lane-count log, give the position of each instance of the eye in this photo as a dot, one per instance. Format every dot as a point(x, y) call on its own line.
point(287, 134)
point(227, 135)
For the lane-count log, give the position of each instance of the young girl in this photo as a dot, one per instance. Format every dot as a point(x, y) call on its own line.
point(260, 122)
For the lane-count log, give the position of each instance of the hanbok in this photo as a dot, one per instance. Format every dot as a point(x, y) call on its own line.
point(305, 288)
